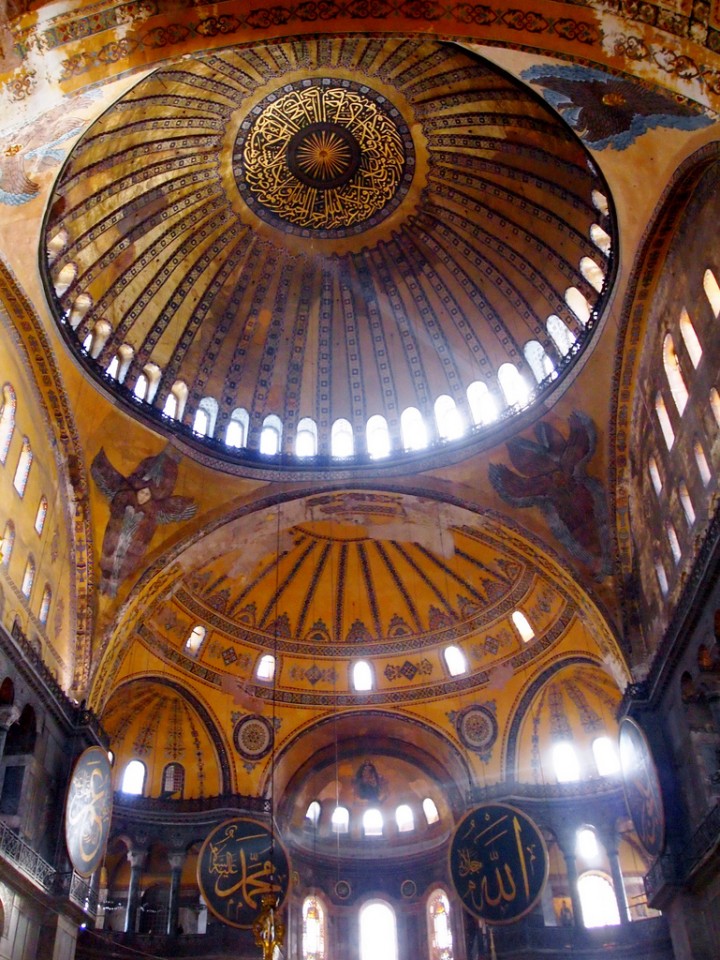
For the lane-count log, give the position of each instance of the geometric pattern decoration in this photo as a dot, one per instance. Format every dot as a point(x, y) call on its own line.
point(477, 728)
point(253, 737)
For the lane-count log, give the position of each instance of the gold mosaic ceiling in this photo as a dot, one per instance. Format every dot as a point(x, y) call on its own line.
point(323, 229)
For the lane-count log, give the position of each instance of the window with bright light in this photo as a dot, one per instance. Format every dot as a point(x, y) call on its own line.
point(404, 818)
point(340, 820)
point(271, 436)
point(7, 420)
point(565, 762)
point(413, 430)
point(673, 541)
point(8, 542)
point(237, 428)
point(561, 335)
point(378, 933)
point(41, 515)
point(439, 932)
point(133, 780)
point(314, 933)
point(578, 304)
point(674, 375)
point(690, 338)
point(664, 421)
point(205, 417)
point(22, 471)
point(362, 676)
point(141, 387)
point(266, 667)
point(702, 464)
point(194, 641)
point(600, 203)
point(342, 441)
point(173, 779)
point(522, 625)
point(655, 475)
point(313, 813)
point(601, 239)
point(455, 661)
point(45, 604)
point(586, 844)
point(377, 437)
point(28, 578)
point(430, 811)
point(538, 360)
point(597, 899)
point(606, 756)
point(306, 438)
point(481, 402)
point(513, 385)
point(447, 418)
point(661, 577)
point(712, 291)
point(686, 502)
point(592, 273)
point(372, 822)
point(113, 367)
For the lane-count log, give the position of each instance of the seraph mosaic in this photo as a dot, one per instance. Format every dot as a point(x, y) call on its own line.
point(582, 97)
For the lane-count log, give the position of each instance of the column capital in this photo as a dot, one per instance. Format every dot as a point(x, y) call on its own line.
point(176, 859)
point(9, 714)
point(137, 858)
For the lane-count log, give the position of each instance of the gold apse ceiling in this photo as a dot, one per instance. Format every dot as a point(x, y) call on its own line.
point(322, 230)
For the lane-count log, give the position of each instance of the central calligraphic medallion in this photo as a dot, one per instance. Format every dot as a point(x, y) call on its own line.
point(324, 157)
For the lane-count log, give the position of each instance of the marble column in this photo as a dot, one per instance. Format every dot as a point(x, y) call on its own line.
point(177, 861)
point(568, 852)
point(610, 842)
point(137, 860)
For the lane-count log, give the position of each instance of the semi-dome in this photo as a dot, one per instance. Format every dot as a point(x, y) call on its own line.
point(444, 238)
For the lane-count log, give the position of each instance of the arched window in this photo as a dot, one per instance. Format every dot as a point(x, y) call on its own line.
point(687, 503)
point(80, 307)
point(404, 818)
point(606, 756)
point(342, 441)
point(340, 820)
point(377, 437)
point(28, 577)
point(661, 577)
point(412, 428)
point(100, 335)
point(600, 203)
point(195, 639)
point(205, 417)
point(140, 390)
point(430, 811)
point(592, 273)
point(173, 781)
point(673, 541)
point(561, 335)
point(372, 823)
point(57, 243)
point(565, 762)
point(147, 382)
point(7, 420)
point(439, 932)
point(481, 403)
point(538, 360)
point(266, 667)
point(133, 780)
point(314, 935)
point(513, 385)
point(45, 604)
point(175, 400)
point(522, 625)
point(597, 899)
point(655, 475)
point(712, 291)
point(455, 660)
point(447, 418)
point(702, 464)
point(715, 404)
point(8, 542)
point(362, 676)
point(664, 421)
point(22, 471)
point(40, 515)
point(64, 278)
point(674, 374)
point(271, 435)
point(601, 239)
point(120, 363)
point(578, 304)
point(306, 438)
point(313, 813)
point(378, 932)
point(237, 428)
point(690, 338)
point(586, 845)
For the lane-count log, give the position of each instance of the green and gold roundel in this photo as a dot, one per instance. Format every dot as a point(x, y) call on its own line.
point(239, 863)
point(498, 863)
point(323, 156)
point(88, 811)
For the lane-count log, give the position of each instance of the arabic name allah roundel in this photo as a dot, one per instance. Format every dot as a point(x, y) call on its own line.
point(88, 811)
point(240, 863)
point(498, 863)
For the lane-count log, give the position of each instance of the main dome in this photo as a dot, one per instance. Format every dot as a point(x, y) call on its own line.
point(325, 254)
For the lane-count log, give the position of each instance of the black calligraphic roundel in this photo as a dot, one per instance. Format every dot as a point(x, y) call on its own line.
point(642, 787)
point(498, 863)
point(238, 864)
point(88, 811)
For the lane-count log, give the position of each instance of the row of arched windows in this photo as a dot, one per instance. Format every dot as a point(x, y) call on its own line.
point(28, 580)
point(135, 773)
point(373, 822)
point(677, 378)
point(566, 762)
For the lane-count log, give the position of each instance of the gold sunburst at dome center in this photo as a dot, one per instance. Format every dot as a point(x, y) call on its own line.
point(324, 155)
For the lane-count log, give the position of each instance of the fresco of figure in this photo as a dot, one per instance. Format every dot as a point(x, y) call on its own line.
point(138, 503)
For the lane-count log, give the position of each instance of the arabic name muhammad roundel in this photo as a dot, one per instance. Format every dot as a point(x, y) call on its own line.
point(498, 863)
point(238, 864)
point(88, 811)
point(642, 787)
